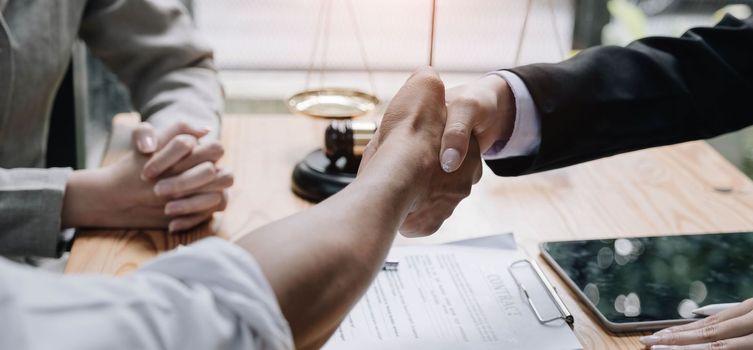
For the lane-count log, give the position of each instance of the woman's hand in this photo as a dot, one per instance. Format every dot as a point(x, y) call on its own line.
point(731, 329)
point(185, 172)
point(187, 190)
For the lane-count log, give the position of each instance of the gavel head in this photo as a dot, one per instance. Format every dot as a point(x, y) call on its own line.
point(347, 139)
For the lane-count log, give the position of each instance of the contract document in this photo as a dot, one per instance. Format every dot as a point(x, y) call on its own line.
point(453, 296)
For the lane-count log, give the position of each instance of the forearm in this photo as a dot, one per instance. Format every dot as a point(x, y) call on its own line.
point(320, 261)
point(160, 57)
point(190, 94)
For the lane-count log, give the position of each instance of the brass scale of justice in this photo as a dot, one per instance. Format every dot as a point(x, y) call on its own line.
point(326, 171)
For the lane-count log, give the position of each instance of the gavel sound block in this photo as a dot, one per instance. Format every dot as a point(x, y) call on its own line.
point(326, 171)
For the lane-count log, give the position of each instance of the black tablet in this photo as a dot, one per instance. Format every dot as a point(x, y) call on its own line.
point(650, 283)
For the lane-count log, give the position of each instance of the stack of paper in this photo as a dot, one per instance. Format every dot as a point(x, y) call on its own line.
point(455, 296)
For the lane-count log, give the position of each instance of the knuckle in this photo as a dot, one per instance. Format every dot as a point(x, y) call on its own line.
point(719, 345)
point(408, 229)
point(673, 338)
point(216, 149)
point(185, 142)
point(412, 228)
point(711, 319)
point(478, 174)
point(464, 192)
point(228, 180)
point(709, 333)
point(429, 78)
point(459, 128)
point(433, 83)
point(425, 72)
point(208, 167)
point(182, 125)
point(467, 102)
point(431, 228)
point(216, 198)
point(223, 204)
point(142, 128)
point(418, 230)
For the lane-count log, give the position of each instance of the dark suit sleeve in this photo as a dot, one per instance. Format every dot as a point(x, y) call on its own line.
point(656, 91)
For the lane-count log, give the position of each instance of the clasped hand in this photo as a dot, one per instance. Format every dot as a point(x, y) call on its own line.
point(170, 180)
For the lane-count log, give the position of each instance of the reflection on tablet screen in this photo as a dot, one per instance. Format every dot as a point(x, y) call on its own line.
point(659, 278)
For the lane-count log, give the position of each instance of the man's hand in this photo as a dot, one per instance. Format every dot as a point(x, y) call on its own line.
point(356, 227)
point(730, 329)
point(188, 179)
point(484, 109)
point(410, 133)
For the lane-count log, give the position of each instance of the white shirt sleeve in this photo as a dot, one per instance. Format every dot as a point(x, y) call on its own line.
point(209, 295)
point(526, 133)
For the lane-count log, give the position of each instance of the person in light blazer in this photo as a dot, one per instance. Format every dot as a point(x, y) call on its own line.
point(169, 180)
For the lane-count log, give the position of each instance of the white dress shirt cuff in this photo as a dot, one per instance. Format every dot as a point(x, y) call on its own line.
point(526, 134)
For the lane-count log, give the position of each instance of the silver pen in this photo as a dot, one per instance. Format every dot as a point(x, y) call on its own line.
point(390, 265)
point(713, 309)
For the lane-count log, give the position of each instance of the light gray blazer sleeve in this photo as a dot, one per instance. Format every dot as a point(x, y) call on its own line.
point(210, 295)
point(154, 48)
point(31, 201)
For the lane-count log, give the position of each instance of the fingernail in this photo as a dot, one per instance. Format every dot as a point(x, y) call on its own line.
point(663, 331)
point(147, 144)
point(450, 160)
point(650, 340)
point(661, 347)
point(162, 188)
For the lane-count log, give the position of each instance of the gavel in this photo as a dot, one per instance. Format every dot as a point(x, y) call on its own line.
point(326, 171)
point(348, 139)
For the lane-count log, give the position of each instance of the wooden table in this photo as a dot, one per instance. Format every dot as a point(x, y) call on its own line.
point(687, 188)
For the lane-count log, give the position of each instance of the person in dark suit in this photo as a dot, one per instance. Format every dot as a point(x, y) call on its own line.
point(169, 179)
point(609, 100)
point(604, 101)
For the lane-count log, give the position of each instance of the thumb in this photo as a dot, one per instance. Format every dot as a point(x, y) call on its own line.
point(456, 138)
point(145, 138)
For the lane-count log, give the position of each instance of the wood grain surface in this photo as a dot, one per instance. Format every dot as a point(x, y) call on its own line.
point(681, 189)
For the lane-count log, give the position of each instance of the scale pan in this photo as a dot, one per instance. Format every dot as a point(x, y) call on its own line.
point(332, 103)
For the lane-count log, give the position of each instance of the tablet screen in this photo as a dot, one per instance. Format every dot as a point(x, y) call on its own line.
point(658, 278)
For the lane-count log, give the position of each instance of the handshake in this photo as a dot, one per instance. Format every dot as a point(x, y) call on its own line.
point(435, 139)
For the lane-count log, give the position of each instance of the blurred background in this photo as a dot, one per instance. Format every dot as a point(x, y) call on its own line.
point(267, 50)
